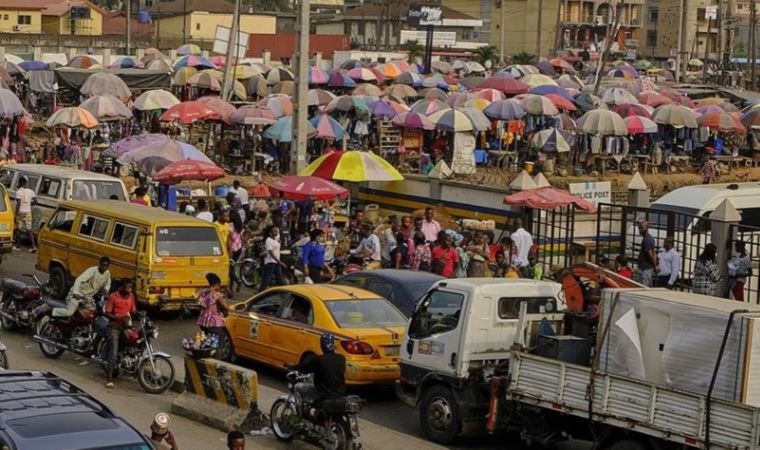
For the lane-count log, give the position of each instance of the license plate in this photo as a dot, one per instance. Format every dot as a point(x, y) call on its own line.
point(392, 350)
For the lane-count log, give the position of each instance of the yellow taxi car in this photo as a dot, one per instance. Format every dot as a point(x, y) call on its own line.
point(7, 222)
point(282, 325)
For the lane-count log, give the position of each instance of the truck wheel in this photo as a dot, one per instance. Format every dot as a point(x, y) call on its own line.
point(627, 444)
point(439, 415)
point(58, 282)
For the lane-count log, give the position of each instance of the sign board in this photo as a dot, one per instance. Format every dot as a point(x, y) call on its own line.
point(595, 192)
point(630, 55)
point(711, 13)
point(440, 38)
point(423, 15)
point(222, 39)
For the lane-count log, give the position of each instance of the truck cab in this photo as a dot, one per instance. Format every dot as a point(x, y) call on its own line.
point(460, 335)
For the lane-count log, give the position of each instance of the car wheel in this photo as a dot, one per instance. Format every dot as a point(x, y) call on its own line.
point(226, 352)
point(58, 282)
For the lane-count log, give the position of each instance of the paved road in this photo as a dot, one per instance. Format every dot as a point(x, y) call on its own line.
point(385, 422)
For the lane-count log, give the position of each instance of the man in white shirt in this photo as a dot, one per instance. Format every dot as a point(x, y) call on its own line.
point(203, 212)
point(242, 194)
point(369, 248)
point(669, 264)
point(25, 198)
point(430, 226)
point(523, 241)
point(272, 264)
point(95, 280)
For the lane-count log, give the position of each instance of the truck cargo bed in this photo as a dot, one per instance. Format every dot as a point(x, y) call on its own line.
point(669, 414)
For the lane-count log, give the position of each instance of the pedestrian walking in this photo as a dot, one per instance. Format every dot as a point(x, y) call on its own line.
point(523, 241)
point(160, 433)
point(400, 253)
point(313, 256)
point(235, 249)
point(25, 198)
point(739, 268)
point(212, 305)
point(272, 263)
point(706, 273)
point(669, 265)
point(646, 262)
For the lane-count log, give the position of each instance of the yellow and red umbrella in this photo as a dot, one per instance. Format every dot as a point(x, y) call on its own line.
point(356, 166)
point(72, 117)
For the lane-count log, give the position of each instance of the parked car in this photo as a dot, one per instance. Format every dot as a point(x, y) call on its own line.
point(45, 412)
point(282, 325)
point(401, 287)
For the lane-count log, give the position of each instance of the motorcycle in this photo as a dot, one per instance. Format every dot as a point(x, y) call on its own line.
point(4, 364)
point(86, 334)
point(250, 267)
point(18, 301)
point(331, 423)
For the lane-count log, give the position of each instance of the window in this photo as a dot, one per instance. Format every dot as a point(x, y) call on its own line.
point(438, 313)
point(51, 187)
point(98, 190)
point(380, 288)
point(198, 26)
point(31, 181)
point(651, 38)
point(270, 304)
point(124, 235)
point(750, 217)
point(377, 313)
point(63, 220)
point(147, 4)
point(653, 14)
point(6, 177)
point(24, 20)
point(93, 227)
point(509, 307)
point(5, 16)
point(188, 241)
point(701, 14)
point(298, 310)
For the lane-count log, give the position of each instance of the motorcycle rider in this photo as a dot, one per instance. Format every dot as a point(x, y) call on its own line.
point(95, 280)
point(119, 309)
point(329, 371)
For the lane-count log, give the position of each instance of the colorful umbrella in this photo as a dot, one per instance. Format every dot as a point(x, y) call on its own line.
point(327, 127)
point(356, 166)
point(222, 108)
point(103, 83)
point(244, 72)
point(547, 198)
point(552, 140)
point(675, 115)
point(133, 143)
point(435, 82)
point(160, 65)
point(711, 101)
point(127, 62)
point(535, 80)
point(602, 122)
point(570, 82)
point(434, 94)
point(402, 65)
point(452, 120)
point(478, 103)
point(218, 60)
point(281, 106)
point(319, 97)
point(72, 117)
point(183, 75)
point(561, 102)
point(509, 86)
point(346, 103)
point(180, 171)
point(253, 115)
point(588, 102)
point(83, 62)
point(188, 49)
point(279, 74)
point(401, 91)
point(257, 85)
point(387, 108)
point(428, 107)
point(473, 67)
point(361, 74)
point(654, 99)
point(539, 105)
point(620, 73)
point(492, 95)
point(318, 76)
point(618, 96)
point(307, 187)
point(549, 89)
point(505, 110)
point(562, 64)
point(414, 120)
point(410, 79)
point(751, 119)
point(367, 89)
point(389, 71)
point(724, 122)
point(282, 130)
point(460, 98)
point(640, 125)
point(203, 80)
point(106, 107)
point(10, 105)
point(479, 121)
point(155, 157)
point(188, 112)
point(636, 109)
point(709, 109)
point(155, 99)
point(642, 64)
point(193, 61)
point(472, 82)
point(285, 87)
point(340, 79)
point(546, 68)
point(352, 64)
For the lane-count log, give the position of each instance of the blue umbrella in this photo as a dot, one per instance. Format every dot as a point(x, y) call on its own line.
point(409, 78)
point(510, 109)
point(30, 66)
point(340, 79)
point(382, 108)
point(432, 82)
point(327, 127)
point(553, 140)
point(551, 89)
point(193, 61)
point(282, 130)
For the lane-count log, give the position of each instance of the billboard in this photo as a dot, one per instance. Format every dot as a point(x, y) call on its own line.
point(423, 15)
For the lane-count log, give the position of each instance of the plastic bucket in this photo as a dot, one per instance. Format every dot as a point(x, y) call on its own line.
point(372, 212)
point(221, 191)
point(528, 167)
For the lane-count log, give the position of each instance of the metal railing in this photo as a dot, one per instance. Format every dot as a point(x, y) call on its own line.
point(751, 238)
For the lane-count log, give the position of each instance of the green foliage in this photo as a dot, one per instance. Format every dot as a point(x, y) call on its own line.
point(486, 53)
point(415, 49)
point(524, 58)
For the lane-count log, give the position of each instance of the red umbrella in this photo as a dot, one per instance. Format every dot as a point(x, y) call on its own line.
point(725, 122)
point(561, 102)
point(188, 112)
point(547, 198)
point(652, 98)
point(222, 108)
point(629, 110)
point(505, 85)
point(303, 188)
point(189, 169)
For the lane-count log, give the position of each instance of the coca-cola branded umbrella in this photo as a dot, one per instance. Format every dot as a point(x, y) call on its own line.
point(179, 171)
point(305, 187)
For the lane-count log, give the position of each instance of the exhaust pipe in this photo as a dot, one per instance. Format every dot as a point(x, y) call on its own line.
point(8, 316)
point(46, 341)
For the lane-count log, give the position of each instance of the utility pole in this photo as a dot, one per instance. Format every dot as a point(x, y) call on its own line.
point(752, 44)
point(679, 41)
point(719, 39)
point(300, 127)
point(232, 52)
point(184, 22)
point(606, 52)
point(539, 25)
point(707, 41)
point(502, 43)
point(129, 26)
point(560, 27)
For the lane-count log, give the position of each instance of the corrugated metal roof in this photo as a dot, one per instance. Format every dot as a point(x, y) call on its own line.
point(22, 4)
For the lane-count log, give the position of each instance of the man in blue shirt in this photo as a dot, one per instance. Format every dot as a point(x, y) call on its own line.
point(304, 208)
point(314, 256)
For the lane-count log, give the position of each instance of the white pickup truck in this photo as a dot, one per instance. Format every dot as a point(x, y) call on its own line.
point(540, 394)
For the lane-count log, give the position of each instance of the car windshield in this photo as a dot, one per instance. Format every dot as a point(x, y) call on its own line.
point(187, 241)
point(376, 313)
point(682, 215)
point(97, 190)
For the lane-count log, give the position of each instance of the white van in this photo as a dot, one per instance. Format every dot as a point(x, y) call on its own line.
point(702, 199)
point(54, 184)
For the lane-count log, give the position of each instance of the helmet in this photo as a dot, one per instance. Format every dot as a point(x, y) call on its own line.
point(327, 341)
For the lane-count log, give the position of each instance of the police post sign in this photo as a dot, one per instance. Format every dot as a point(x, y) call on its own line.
point(595, 192)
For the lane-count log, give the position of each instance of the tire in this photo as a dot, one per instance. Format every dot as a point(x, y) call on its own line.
point(156, 383)
point(342, 431)
point(249, 273)
point(6, 323)
point(625, 444)
point(58, 282)
point(51, 331)
point(226, 351)
point(280, 429)
point(439, 415)
point(4, 363)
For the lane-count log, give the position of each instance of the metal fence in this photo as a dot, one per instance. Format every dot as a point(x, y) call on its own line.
point(751, 238)
point(553, 232)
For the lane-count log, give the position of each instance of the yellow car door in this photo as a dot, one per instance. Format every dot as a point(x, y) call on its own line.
point(291, 329)
point(250, 329)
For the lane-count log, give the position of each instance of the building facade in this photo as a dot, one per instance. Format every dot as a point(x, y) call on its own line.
point(21, 16)
point(515, 23)
point(584, 23)
point(201, 25)
point(662, 19)
point(57, 19)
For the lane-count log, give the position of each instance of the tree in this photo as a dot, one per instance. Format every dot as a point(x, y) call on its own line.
point(415, 49)
point(486, 53)
point(523, 58)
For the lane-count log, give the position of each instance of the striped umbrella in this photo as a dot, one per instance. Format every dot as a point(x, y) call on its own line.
point(193, 61)
point(83, 62)
point(205, 81)
point(561, 102)
point(654, 99)
point(428, 107)
point(401, 91)
point(751, 119)
point(435, 82)
point(552, 140)
point(253, 115)
point(434, 93)
point(535, 80)
point(340, 79)
point(351, 64)
point(452, 120)
point(127, 62)
point(279, 74)
point(724, 122)
point(389, 71)
point(640, 125)
point(460, 98)
point(588, 102)
point(479, 121)
point(675, 115)
point(318, 76)
point(367, 89)
point(410, 79)
point(355, 166)
point(132, 143)
point(222, 108)
point(387, 108)
point(361, 74)
point(106, 107)
point(319, 97)
point(183, 75)
point(327, 127)
point(602, 122)
point(539, 105)
point(505, 110)
point(189, 49)
point(72, 117)
point(346, 103)
point(549, 89)
point(509, 86)
point(155, 99)
point(618, 96)
point(636, 109)
point(414, 120)
point(478, 103)
point(281, 106)
point(709, 109)
point(492, 95)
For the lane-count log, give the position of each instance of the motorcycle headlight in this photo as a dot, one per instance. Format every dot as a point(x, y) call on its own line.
point(155, 333)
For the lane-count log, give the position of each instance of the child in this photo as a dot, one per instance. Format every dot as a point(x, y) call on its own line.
point(499, 267)
point(533, 271)
point(622, 267)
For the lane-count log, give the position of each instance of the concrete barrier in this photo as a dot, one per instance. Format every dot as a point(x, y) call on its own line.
point(219, 394)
